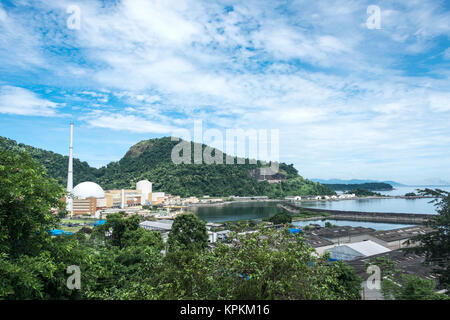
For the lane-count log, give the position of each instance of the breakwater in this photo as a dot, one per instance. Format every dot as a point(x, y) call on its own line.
point(401, 218)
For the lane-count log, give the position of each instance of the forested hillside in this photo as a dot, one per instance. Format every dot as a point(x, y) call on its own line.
point(151, 159)
point(54, 163)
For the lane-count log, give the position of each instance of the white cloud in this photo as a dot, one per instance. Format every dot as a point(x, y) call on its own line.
point(336, 90)
point(15, 100)
point(440, 102)
point(129, 123)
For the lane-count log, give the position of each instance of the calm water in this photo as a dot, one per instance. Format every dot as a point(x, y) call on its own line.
point(380, 205)
point(259, 210)
point(236, 211)
point(400, 191)
point(373, 225)
point(375, 205)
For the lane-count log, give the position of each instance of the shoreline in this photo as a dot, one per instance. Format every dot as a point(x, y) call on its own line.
point(224, 203)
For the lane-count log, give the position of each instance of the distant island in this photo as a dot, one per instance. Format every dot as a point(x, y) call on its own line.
point(356, 182)
point(370, 186)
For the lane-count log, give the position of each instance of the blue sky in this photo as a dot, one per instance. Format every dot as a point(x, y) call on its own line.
point(348, 101)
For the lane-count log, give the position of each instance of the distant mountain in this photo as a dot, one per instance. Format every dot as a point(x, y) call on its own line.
point(151, 159)
point(355, 181)
point(369, 186)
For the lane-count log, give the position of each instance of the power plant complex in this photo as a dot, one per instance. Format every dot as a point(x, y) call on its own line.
point(88, 197)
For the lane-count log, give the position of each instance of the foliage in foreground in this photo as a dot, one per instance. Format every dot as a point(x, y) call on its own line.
point(411, 288)
point(436, 244)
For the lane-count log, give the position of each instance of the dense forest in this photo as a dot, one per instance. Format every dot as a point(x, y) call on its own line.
point(372, 186)
point(151, 159)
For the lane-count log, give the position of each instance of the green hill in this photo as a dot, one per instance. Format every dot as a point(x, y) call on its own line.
point(151, 159)
point(54, 163)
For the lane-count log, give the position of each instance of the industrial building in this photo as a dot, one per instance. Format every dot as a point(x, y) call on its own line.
point(399, 238)
point(356, 250)
point(88, 197)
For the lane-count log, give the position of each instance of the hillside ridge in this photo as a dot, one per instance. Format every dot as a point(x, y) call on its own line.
point(151, 159)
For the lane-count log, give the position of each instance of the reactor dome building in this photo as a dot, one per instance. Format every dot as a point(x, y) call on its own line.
point(87, 190)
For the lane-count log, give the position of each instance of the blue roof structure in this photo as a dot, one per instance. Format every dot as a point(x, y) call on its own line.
point(57, 232)
point(99, 222)
point(294, 230)
point(332, 259)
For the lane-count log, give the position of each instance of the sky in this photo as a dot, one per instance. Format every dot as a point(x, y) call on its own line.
point(351, 95)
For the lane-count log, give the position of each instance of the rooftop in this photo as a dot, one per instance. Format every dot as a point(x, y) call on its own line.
point(338, 232)
point(401, 234)
point(366, 248)
point(162, 225)
point(316, 241)
point(407, 263)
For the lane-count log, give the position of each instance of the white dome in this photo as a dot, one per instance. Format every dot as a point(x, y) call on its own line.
point(88, 190)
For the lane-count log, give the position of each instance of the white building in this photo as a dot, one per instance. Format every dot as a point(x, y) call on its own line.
point(293, 198)
point(144, 187)
point(356, 250)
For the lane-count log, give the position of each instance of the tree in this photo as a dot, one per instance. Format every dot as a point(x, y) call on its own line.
point(328, 224)
point(436, 244)
point(188, 232)
point(268, 264)
point(27, 197)
point(348, 280)
point(411, 288)
point(281, 218)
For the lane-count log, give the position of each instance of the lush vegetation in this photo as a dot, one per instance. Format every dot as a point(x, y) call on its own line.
point(363, 193)
point(151, 159)
point(54, 163)
point(411, 288)
point(121, 260)
point(281, 218)
point(410, 194)
point(436, 244)
point(372, 186)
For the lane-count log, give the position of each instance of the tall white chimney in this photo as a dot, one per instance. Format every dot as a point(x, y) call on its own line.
point(69, 200)
point(123, 199)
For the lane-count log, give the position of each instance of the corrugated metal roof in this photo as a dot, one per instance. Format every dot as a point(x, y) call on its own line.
point(157, 225)
point(367, 248)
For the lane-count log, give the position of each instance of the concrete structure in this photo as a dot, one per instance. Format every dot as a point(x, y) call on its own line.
point(85, 206)
point(144, 187)
point(160, 225)
point(406, 263)
point(293, 198)
point(212, 237)
point(69, 189)
point(88, 189)
point(250, 198)
point(158, 197)
point(88, 198)
point(345, 234)
point(398, 238)
point(356, 250)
